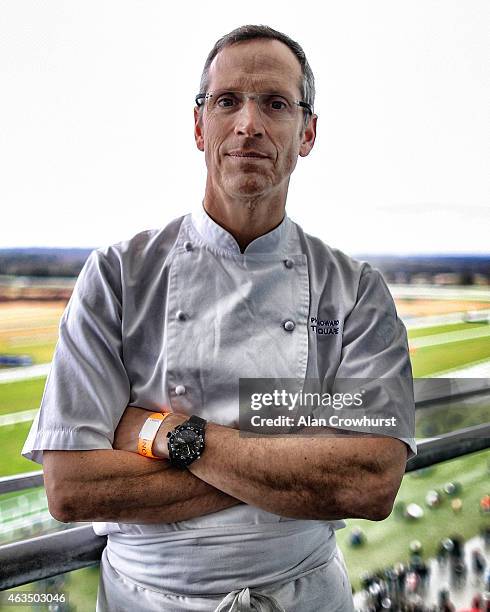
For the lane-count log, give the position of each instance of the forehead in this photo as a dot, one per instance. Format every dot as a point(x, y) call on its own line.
point(256, 65)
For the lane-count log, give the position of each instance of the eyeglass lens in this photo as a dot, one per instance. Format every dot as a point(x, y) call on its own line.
point(277, 107)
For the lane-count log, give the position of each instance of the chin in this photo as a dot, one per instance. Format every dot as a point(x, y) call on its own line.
point(249, 186)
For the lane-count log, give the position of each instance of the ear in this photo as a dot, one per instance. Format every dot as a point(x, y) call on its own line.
point(308, 137)
point(198, 131)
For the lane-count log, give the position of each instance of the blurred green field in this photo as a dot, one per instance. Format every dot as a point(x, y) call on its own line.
point(12, 438)
point(40, 352)
point(419, 332)
point(21, 395)
point(430, 360)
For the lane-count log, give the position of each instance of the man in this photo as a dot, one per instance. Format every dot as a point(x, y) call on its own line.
point(166, 323)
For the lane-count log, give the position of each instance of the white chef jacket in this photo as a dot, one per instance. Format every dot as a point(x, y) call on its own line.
point(174, 317)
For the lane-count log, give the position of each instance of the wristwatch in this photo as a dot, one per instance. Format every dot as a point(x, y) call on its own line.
point(186, 442)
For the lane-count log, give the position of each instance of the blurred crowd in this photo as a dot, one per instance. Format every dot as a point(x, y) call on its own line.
point(406, 587)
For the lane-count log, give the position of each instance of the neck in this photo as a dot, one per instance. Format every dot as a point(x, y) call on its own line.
point(245, 218)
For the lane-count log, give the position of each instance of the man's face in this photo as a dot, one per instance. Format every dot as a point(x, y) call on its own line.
point(257, 66)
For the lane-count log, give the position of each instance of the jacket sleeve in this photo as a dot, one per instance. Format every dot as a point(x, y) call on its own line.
point(375, 350)
point(87, 389)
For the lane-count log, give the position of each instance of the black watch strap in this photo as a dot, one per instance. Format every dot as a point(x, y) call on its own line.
point(197, 421)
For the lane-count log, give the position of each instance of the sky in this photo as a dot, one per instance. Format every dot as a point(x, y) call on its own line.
point(96, 133)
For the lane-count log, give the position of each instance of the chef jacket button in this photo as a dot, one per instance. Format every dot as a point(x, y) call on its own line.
point(289, 263)
point(188, 245)
point(289, 325)
point(180, 390)
point(181, 316)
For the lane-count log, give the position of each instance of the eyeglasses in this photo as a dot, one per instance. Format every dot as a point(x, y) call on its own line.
point(274, 106)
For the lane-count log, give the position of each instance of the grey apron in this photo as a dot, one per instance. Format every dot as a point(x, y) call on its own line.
point(324, 588)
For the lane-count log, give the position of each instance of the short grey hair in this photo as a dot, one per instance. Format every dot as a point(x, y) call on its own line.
point(252, 32)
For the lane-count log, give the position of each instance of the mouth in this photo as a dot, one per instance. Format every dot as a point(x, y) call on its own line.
point(248, 154)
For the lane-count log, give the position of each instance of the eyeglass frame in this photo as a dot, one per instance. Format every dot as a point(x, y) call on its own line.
point(205, 96)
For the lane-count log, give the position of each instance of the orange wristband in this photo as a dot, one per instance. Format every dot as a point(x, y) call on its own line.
point(148, 433)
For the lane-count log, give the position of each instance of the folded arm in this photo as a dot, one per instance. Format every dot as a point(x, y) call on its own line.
point(314, 477)
point(122, 486)
point(306, 477)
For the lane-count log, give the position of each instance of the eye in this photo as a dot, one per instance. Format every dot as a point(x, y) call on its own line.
point(277, 103)
point(226, 101)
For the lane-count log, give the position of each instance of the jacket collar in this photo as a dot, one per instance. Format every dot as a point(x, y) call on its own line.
point(218, 237)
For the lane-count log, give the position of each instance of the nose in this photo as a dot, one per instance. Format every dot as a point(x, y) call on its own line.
point(249, 120)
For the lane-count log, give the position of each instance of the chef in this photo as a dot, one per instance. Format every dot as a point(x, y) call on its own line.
point(138, 429)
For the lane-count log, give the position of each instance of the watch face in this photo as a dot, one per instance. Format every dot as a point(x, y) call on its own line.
point(186, 442)
point(187, 436)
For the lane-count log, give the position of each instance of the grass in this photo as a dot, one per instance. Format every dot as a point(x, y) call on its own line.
point(41, 352)
point(12, 438)
point(418, 332)
point(440, 358)
point(21, 395)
